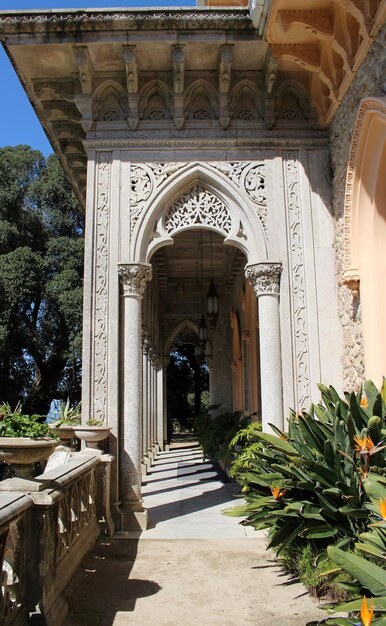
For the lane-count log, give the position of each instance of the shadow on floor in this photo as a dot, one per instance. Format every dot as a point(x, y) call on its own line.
point(104, 574)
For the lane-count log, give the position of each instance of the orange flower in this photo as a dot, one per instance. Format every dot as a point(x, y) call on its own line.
point(366, 613)
point(364, 402)
point(277, 494)
point(363, 444)
point(364, 471)
point(382, 507)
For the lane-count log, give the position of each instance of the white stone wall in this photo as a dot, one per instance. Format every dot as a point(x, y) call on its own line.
point(369, 81)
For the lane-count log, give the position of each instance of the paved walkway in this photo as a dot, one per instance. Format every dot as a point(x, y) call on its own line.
point(192, 567)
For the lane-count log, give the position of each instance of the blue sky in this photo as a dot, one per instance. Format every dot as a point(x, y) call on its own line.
point(18, 122)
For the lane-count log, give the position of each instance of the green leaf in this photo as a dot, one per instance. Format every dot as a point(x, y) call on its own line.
point(277, 443)
point(320, 532)
point(374, 487)
point(369, 575)
point(372, 551)
point(357, 513)
point(355, 605)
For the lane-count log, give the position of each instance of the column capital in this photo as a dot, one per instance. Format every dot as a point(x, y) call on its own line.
point(154, 356)
point(264, 278)
point(134, 277)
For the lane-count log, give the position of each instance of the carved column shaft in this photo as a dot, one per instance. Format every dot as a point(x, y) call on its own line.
point(265, 280)
point(145, 408)
point(161, 434)
point(134, 278)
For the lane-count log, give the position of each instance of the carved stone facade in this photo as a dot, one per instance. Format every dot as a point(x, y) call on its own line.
point(100, 347)
point(250, 178)
point(203, 127)
point(297, 279)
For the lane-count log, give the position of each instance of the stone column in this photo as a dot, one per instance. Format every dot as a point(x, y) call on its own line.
point(155, 403)
point(149, 416)
point(265, 280)
point(161, 434)
point(145, 408)
point(133, 278)
point(165, 363)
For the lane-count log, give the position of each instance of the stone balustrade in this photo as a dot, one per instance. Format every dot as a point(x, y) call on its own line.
point(47, 525)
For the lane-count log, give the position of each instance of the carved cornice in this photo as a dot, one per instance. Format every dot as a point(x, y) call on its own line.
point(330, 43)
point(71, 21)
point(134, 278)
point(316, 20)
point(264, 278)
point(145, 140)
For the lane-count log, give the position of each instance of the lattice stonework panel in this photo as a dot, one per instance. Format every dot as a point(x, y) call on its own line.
point(249, 179)
point(76, 512)
point(198, 206)
point(99, 409)
point(297, 280)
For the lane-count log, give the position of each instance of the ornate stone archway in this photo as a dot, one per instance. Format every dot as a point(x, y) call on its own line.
point(230, 198)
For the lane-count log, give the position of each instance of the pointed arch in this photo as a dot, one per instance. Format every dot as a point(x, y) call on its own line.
point(201, 101)
point(223, 210)
point(186, 324)
point(155, 101)
point(365, 229)
point(246, 98)
point(292, 101)
point(109, 101)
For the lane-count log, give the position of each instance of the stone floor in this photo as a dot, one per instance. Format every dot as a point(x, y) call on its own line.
point(192, 567)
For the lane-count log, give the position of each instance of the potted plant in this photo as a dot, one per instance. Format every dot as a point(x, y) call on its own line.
point(92, 433)
point(68, 425)
point(68, 418)
point(24, 440)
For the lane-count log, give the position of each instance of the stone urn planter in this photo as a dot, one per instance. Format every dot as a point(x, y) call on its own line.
point(65, 433)
point(23, 452)
point(92, 435)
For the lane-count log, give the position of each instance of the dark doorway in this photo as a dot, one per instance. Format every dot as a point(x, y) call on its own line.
point(187, 388)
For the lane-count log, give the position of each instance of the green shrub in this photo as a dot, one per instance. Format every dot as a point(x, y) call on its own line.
point(305, 562)
point(366, 565)
point(16, 424)
point(307, 483)
point(216, 430)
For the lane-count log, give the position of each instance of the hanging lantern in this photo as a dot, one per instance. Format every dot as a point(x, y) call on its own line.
point(212, 304)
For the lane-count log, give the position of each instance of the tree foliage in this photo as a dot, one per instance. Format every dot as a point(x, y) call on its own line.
point(187, 379)
point(41, 269)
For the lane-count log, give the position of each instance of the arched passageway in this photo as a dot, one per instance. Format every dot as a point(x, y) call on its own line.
point(250, 234)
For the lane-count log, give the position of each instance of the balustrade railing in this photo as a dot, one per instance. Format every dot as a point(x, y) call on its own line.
point(47, 525)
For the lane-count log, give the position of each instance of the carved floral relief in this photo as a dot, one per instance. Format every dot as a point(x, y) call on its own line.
point(297, 279)
point(99, 408)
point(249, 177)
